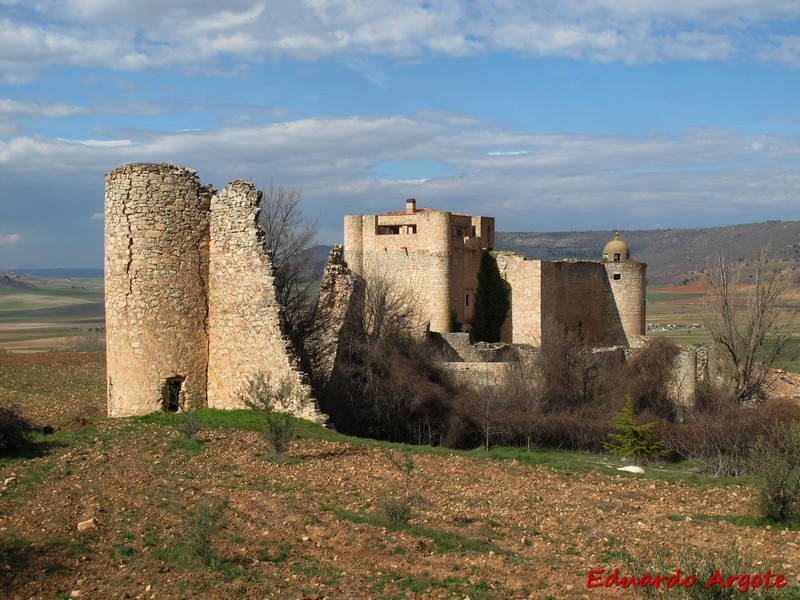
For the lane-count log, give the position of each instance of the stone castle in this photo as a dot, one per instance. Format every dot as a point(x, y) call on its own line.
point(435, 256)
point(191, 311)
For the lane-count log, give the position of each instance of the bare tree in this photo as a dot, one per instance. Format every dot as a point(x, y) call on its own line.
point(385, 384)
point(289, 235)
point(527, 390)
point(751, 328)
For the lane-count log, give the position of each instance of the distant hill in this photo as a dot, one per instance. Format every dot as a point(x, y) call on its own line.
point(61, 273)
point(14, 281)
point(673, 256)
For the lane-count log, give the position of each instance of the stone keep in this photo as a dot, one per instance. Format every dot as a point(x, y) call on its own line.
point(434, 256)
point(191, 311)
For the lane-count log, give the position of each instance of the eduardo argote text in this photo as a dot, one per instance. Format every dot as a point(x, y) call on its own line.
point(741, 582)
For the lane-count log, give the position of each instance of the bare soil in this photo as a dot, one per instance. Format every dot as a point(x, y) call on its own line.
point(307, 527)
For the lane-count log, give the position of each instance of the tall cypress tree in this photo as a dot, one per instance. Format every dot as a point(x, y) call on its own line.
point(492, 301)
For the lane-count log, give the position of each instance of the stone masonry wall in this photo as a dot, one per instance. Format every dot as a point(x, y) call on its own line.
point(524, 323)
point(156, 274)
point(576, 300)
point(244, 316)
point(417, 263)
point(339, 291)
point(628, 283)
point(191, 311)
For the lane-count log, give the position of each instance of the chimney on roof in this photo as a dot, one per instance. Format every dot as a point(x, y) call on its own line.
point(411, 206)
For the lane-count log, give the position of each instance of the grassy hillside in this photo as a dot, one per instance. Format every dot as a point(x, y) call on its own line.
point(215, 517)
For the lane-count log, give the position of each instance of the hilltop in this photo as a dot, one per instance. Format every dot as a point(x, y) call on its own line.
point(672, 255)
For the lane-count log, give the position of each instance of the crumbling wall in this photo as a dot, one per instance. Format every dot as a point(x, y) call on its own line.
point(683, 383)
point(244, 329)
point(476, 375)
point(156, 274)
point(338, 302)
point(191, 310)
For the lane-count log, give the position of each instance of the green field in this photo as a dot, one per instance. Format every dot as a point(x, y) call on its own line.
point(53, 314)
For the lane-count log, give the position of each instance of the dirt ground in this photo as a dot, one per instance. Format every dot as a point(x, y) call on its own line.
point(307, 528)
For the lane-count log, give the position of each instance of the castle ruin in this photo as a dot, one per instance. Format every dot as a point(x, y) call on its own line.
point(191, 311)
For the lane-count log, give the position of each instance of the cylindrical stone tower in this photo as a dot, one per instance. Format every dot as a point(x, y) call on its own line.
point(628, 289)
point(156, 274)
point(354, 243)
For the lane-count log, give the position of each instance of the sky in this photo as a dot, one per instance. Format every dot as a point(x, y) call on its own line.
point(548, 115)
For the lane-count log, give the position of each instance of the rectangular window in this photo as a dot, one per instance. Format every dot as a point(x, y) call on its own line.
point(617, 257)
point(617, 276)
point(466, 300)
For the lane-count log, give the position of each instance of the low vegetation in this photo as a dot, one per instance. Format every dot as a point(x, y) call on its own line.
point(220, 520)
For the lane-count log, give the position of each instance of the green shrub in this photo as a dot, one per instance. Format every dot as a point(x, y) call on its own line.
point(775, 462)
point(276, 402)
point(633, 440)
point(398, 509)
point(188, 424)
point(15, 430)
point(704, 568)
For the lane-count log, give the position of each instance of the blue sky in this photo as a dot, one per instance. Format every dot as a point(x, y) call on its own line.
point(548, 115)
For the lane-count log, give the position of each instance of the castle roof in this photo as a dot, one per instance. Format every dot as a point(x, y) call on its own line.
point(400, 213)
point(616, 250)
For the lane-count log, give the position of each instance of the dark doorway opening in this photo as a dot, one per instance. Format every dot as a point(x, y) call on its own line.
point(172, 394)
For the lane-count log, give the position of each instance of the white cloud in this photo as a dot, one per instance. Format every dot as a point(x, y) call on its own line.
point(9, 238)
point(152, 34)
point(542, 180)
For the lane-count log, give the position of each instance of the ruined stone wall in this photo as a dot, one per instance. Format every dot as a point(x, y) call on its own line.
point(340, 295)
point(683, 383)
point(524, 323)
point(244, 330)
point(156, 275)
point(476, 375)
point(191, 311)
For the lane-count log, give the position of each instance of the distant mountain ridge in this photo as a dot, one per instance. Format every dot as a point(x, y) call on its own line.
point(673, 256)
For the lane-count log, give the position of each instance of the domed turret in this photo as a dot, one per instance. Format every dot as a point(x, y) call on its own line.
point(616, 250)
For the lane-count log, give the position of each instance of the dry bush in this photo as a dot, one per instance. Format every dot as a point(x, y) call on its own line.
point(276, 402)
point(775, 461)
point(721, 439)
point(15, 429)
point(571, 431)
point(646, 377)
point(385, 384)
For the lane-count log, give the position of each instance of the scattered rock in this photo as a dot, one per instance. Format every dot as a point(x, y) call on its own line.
point(631, 469)
point(87, 524)
point(10, 480)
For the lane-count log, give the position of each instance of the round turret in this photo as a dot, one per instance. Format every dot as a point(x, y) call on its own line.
point(616, 250)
